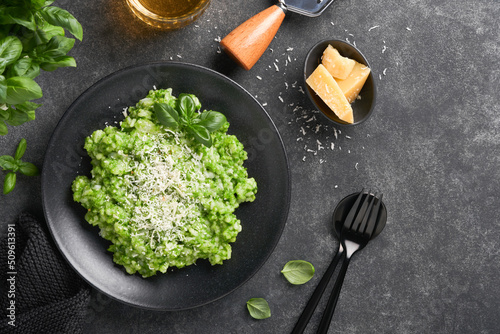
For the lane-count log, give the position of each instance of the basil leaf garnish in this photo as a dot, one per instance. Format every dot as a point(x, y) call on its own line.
point(212, 120)
point(201, 134)
point(185, 116)
point(166, 115)
point(186, 107)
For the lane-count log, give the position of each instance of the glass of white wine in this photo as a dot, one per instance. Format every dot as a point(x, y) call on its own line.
point(168, 14)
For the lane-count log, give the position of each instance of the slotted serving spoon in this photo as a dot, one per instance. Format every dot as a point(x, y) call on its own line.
point(247, 42)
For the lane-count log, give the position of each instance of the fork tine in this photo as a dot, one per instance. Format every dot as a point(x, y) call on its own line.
point(352, 213)
point(361, 213)
point(372, 222)
point(362, 226)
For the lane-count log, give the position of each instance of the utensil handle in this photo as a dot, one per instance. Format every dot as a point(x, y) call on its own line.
point(247, 42)
point(334, 297)
point(308, 311)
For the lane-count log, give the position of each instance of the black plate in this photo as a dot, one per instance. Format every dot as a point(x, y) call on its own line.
point(262, 220)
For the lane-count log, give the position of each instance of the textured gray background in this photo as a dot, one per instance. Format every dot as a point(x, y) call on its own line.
point(432, 146)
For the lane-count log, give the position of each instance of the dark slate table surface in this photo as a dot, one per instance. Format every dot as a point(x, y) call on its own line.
point(432, 147)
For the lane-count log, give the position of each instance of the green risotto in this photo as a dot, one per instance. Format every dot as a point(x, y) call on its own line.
point(161, 197)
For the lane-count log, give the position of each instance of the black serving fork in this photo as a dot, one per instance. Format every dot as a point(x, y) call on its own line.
point(357, 229)
point(353, 237)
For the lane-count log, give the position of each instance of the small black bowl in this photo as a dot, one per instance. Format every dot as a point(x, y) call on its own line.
point(342, 210)
point(362, 108)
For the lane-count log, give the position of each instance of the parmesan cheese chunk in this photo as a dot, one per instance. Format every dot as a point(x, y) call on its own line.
point(323, 83)
point(338, 66)
point(352, 85)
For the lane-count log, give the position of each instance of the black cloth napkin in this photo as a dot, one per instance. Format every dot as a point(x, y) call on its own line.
point(48, 296)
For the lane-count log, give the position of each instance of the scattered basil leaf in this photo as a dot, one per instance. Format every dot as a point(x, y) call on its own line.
point(28, 169)
point(21, 148)
point(258, 308)
point(9, 182)
point(166, 115)
point(298, 271)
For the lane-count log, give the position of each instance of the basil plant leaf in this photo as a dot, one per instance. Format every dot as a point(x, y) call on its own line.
point(212, 120)
point(18, 15)
point(10, 49)
point(21, 148)
point(23, 112)
point(186, 106)
point(57, 46)
point(21, 89)
point(24, 67)
point(3, 65)
point(62, 18)
point(166, 115)
point(3, 89)
point(201, 134)
point(51, 30)
point(9, 183)
point(7, 162)
point(298, 271)
point(52, 65)
point(3, 128)
point(4, 113)
point(258, 308)
point(28, 169)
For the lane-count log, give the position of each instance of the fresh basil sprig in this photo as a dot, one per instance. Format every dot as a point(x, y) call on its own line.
point(258, 308)
point(185, 116)
point(14, 164)
point(32, 38)
point(298, 271)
